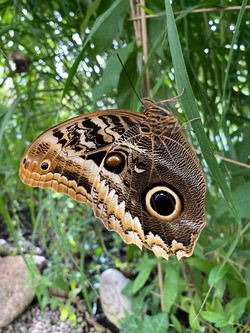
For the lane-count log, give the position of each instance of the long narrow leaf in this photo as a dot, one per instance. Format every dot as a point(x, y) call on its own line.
point(96, 25)
point(191, 109)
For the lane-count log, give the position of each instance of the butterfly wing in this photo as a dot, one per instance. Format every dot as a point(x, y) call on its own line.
point(67, 156)
point(137, 172)
point(155, 195)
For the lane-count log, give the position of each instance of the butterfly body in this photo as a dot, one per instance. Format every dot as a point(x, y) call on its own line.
point(137, 171)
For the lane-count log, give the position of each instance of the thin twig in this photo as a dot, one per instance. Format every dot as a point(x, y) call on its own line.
point(226, 159)
point(229, 160)
point(160, 278)
point(185, 277)
point(201, 10)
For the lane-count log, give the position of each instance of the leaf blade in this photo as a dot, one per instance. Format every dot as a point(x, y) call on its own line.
point(191, 109)
point(78, 59)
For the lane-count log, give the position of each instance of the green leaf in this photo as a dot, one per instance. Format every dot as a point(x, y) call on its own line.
point(193, 319)
point(218, 319)
point(191, 108)
point(201, 264)
point(217, 274)
point(111, 74)
point(248, 280)
point(171, 286)
point(64, 314)
point(131, 324)
point(218, 243)
point(99, 21)
point(72, 318)
point(112, 26)
point(143, 275)
point(61, 283)
point(90, 11)
point(232, 47)
point(177, 325)
point(155, 324)
point(236, 308)
point(5, 118)
point(232, 330)
point(192, 112)
point(242, 199)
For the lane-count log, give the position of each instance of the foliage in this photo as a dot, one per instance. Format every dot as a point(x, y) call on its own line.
point(72, 69)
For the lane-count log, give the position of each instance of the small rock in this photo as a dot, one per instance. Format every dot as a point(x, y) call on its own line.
point(114, 304)
point(40, 261)
point(15, 292)
point(38, 251)
point(2, 242)
point(4, 247)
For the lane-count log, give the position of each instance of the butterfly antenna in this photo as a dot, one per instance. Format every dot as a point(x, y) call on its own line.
point(173, 99)
point(130, 81)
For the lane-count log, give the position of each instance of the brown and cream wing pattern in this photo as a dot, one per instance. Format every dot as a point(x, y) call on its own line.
point(137, 171)
point(67, 156)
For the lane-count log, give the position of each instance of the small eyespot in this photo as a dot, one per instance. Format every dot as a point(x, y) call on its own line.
point(45, 165)
point(114, 162)
point(163, 203)
point(126, 183)
point(26, 163)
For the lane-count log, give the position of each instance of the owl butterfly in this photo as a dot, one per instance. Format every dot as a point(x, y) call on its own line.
point(137, 172)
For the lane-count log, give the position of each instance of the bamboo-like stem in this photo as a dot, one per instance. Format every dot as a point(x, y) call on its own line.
point(145, 47)
point(140, 28)
point(134, 14)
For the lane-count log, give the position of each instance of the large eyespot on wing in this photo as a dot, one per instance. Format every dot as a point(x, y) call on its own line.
point(115, 162)
point(163, 203)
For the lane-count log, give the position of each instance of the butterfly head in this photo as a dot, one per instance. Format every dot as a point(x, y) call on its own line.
point(161, 121)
